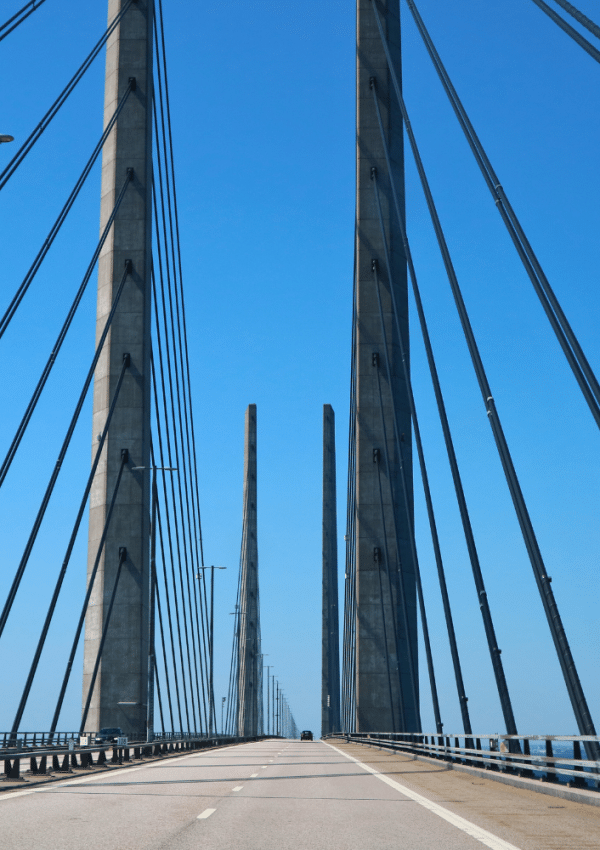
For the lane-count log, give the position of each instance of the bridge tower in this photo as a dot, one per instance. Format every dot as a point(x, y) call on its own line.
point(120, 693)
point(249, 660)
point(330, 679)
point(386, 683)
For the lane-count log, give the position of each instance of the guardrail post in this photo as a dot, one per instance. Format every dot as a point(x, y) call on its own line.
point(527, 772)
point(577, 781)
point(549, 777)
point(12, 769)
point(65, 767)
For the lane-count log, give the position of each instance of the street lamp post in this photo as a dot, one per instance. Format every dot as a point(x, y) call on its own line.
point(268, 666)
point(211, 691)
point(222, 709)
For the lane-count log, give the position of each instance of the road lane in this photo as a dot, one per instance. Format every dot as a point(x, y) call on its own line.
point(307, 795)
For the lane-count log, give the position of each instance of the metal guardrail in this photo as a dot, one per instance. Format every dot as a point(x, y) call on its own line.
point(37, 739)
point(505, 753)
point(24, 740)
point(44, 760)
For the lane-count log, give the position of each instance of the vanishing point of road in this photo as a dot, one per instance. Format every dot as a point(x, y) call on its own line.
point(290, 795)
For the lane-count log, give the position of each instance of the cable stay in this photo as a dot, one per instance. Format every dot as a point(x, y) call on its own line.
point(63, 451)
point(168, 599)
point(174, 525)
point(20, 432)
point(417, 433)
point(30, 141)
point(584, 374)
point(494, 651)
point(122, 559)
point(579, 17)
point(174, 375)
point(174, 459)
point(173, 452)
point(566, 27)
point(162, 62)
point(165, 663)
point(567, 663)
point(55, 229)
point(18, 18)
point(399, 447)
point(88, 594)
point(68, 553)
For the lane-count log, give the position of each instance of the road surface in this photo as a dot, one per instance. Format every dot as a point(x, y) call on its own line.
point(290, 795)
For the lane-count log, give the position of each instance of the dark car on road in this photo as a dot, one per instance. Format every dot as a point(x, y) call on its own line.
point(306, 736)
point(108, 735)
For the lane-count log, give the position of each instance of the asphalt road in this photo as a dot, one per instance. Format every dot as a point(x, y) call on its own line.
point(272, 794)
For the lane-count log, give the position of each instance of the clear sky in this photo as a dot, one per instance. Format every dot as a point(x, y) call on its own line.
point(262, 96)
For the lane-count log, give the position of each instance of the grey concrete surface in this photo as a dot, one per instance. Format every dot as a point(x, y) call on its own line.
point(386, 628)
point(290, 796)
point(119, 696)
point(330, 655)
point(249, 657)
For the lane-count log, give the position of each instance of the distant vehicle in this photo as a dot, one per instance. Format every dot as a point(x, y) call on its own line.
point(108, 735)
point(306, 736)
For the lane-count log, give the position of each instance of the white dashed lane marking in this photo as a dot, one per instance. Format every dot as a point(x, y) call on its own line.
point(206, 814)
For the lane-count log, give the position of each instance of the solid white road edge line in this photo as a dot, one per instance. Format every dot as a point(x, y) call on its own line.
point(206, 814)
point(464, 825)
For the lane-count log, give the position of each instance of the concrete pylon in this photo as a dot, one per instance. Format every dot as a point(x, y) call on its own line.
point(249, 660)
point(387, 697)
point(120, 693)
point(330, 669)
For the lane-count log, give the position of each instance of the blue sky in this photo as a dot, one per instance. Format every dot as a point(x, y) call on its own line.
point(262, 97)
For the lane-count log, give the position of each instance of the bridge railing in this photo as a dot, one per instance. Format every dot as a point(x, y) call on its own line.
point(72, 754)
point(544, 757)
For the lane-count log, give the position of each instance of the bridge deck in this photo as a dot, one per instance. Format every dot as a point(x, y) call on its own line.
point(287, 794)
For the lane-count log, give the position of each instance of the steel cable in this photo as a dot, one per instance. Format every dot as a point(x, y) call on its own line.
point(580, 17)
point(90, 586)
point(172, 452)
point(69, 550)
point(421, 455)
point(582, 371)
point(162, 640)
point(486, 614)
point(122, 559)
point(172, 369)
point(189, 455)
point(195, 490)
point(565, 27)
point(567, 663)
point(20, 432)
point(30, 141)
point(25, 12)
point(55, 229)
point(170, 542)
point(167, 597)
point(61, 456)
point(409, 518)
